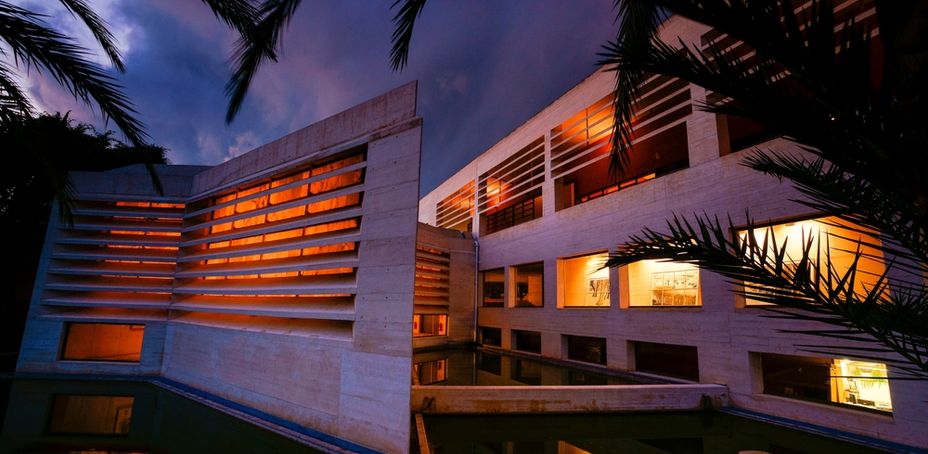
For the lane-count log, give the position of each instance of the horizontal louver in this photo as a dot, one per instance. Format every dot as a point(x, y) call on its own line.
point(116, 262)
point(276, 254)
point(457, 208)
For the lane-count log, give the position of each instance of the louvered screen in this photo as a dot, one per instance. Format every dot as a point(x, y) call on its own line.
point(510, 193)
point(432, 280)
point(116, 262)
point(580, 146)
point(278, 254)
point(457, 210)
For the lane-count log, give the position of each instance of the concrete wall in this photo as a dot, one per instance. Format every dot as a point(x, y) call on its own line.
point(343, 371)
point(461, 274)
point(722, 329)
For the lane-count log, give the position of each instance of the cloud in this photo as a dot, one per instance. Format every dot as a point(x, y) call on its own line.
point(482, 71)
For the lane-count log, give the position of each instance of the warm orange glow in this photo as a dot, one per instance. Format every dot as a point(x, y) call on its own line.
point(103, 342)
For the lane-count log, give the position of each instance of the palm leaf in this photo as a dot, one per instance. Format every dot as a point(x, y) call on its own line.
point(404, 20)
point(99, 30)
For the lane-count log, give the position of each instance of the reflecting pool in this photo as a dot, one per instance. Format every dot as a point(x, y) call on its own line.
point(645, 433)
point(53, 416)
point(464, 367)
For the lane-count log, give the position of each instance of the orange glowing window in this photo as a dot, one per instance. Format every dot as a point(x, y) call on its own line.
point(103, 342)
point(248, 222)
point(335, 203)
point(286, 214)
point(292, 193)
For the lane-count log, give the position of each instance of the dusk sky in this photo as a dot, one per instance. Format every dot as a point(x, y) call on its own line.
point(484, 67)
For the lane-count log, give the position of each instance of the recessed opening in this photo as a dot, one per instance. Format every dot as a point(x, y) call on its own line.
point(526, 341)
point(491, 336)
point(493, 284)
point(91, 415)
point(103, 342)
point(529, 284)
point(859, 384)
point(586, 349)
point(663, 284)
point(679, 361)
point(585, 283)
point(425, 325)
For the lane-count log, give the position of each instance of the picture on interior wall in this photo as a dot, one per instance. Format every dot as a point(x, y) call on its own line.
point(597, 292)
point(674, 288)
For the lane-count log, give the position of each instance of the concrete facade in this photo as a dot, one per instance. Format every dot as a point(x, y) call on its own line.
point(728, 335)
point(282, 279)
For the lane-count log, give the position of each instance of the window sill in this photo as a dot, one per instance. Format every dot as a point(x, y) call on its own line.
point(850, 409)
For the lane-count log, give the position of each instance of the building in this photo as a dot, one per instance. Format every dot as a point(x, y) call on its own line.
point(296, 280)
point(546, 214)
point(282, 280)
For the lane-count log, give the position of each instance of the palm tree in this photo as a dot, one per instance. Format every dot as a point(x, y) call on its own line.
point(33, 44)
point(854, 103)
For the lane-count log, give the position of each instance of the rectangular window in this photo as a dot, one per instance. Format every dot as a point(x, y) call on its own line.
point(830, 237)
point(491, 336)
point(663, 284)
point(586, 349)
point(91, 415)
point(526, 341)
point(424, 325)
point(494, 287)
point(529, 284)
point(431, 372)
point(840, 381)
point(585, 283)
point(679, 361)
point(103, 342)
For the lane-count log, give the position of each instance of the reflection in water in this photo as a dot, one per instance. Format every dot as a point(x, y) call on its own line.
point(107, 417)
point(650, 433)
point(461, 367)
point(92, 415)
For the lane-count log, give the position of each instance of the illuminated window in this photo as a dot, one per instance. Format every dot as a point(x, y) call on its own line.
point(663, 284)
point(529, 280)
point(585, 283)
point(103, 342)
point(493, 287)
point(429, 325)
point(91, 415)
point(840, 381)
point(830, 237)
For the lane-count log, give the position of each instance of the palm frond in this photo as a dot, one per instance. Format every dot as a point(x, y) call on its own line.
point(14, 104)
point(638, 24)
point(808, 287)
point(36, 45)
point(242, 15)
point(99, 30)
point(403, 21)
point(259, 44)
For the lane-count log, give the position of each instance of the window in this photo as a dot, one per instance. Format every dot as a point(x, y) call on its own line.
point(738, 133)
point(91, 415)
point(529, 284)
point(679, 361)
point(663, 284)
point(431, 372)
point(489, 362)
point(840, 381)
point(491, 336)
point(493, 287)
point(103, 342)
point(429, 325)
point(526, 341)
point(586, 349)
point(839, 238)
point(585, 283)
